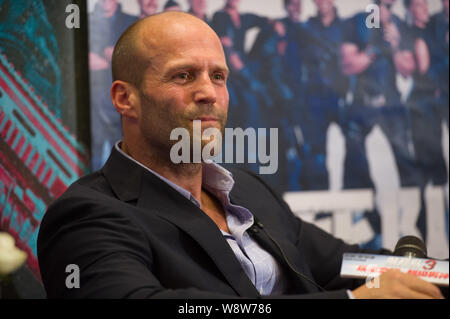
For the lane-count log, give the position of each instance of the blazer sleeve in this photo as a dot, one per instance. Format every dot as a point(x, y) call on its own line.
point(321, 251)
point(112, 253)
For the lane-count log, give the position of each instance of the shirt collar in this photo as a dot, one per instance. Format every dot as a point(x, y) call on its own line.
point(215, 178)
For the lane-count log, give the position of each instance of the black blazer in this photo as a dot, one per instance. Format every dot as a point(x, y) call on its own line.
point(134, 236)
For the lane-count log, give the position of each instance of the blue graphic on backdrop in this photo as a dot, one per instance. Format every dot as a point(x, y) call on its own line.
point(27, 38)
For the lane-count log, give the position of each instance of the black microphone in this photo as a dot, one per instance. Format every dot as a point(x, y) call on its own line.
point(411, 258)
point(410, 246)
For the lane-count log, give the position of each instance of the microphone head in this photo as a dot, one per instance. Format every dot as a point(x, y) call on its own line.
point(410, 246)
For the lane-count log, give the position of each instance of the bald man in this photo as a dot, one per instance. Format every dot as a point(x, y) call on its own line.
point(144, 227)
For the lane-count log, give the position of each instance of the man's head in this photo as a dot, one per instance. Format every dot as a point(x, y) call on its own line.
point(385, 10)
point(169, 70)
point(148, 7)
point(418, 10)
point(324, 7)
point(232, 4)
point(171, 5)
point(445, 4)
point(198, 7)
point(385, 7)
point(293, 9)
point(386, 3)
point(109, 7)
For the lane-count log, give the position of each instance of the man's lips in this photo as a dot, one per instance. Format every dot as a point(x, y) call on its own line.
point(206, 119)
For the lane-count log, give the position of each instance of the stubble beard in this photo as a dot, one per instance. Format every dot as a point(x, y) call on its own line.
point(157, 137)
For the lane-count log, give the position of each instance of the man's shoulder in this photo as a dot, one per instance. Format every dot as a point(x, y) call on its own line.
point(358, 18)
point(221, 14)
point(439, 16)
point(437, 21)
point(126, 19)
point(244, 176)
point(81, 197)
point(88, 185)
point(254, 186)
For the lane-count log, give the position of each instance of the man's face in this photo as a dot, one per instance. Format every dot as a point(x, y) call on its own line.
point(419, 10)
point(294, 9)
point(173, 8)
point(445, 4)
point(198, 6)
point(148, 7)
point(324, 7)
point(388, 3)
point(233, 3)
point(186, 81)
point(109, 6)
point(385, 11)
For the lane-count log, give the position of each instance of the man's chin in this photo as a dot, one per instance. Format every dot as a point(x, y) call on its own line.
point(211, 126)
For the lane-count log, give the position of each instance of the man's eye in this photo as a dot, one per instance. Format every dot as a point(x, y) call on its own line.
point(184, 76)
point(219, 77)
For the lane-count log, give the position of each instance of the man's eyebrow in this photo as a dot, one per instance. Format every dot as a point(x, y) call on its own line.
point(188, 65)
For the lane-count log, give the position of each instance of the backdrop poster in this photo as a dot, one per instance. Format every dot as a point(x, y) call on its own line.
point(41, 116)
point(357, 91)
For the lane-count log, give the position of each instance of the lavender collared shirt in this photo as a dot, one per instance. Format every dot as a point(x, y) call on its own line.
point(260, 267)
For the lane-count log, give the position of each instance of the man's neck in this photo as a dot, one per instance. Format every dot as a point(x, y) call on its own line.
point(109, 13)
point(420, 24)
point(186, 175)
point(328, 18)
point(294, 19)
point(198, 14)
point(230, 8)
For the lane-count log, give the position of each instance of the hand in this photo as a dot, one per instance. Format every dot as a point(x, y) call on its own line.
point(392, 35)
point(226, 42)
point(394, 284)
point(236, 62)
point(96, 62)
point(281, 47)
point(108, 52)
point(279, 28)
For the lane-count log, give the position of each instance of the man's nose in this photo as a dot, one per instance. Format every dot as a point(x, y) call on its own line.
point(205, 91)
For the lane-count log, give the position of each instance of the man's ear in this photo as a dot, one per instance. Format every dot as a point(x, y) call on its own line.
point(125, 99)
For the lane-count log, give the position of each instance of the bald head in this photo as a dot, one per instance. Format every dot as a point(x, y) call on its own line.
point(179, 69)
point(148, 38)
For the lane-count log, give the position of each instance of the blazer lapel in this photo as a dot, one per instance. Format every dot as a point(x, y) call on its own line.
point(276, 243)
point(162, 200)
point(123, 176)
